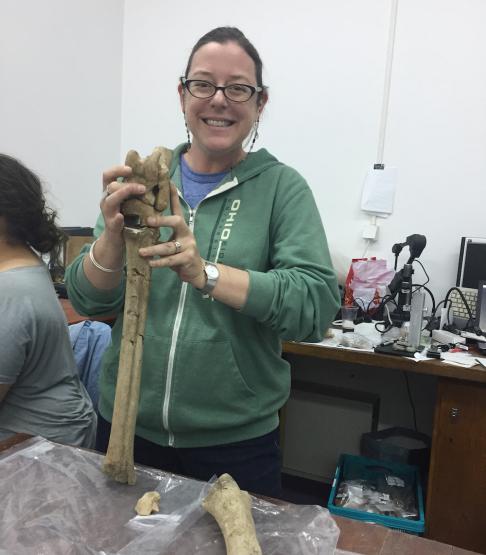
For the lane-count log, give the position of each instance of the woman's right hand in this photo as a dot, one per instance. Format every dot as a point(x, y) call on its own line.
point(114, 194)
point(107, 250)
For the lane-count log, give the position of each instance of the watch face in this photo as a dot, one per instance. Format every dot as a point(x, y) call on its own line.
point(212, 271)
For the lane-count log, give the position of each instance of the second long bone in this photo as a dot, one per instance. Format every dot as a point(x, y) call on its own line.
point(152, 172)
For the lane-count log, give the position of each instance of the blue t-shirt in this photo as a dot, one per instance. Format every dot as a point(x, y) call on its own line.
point(196, 186)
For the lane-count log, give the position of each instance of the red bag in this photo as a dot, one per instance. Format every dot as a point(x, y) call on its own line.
point(366, 283)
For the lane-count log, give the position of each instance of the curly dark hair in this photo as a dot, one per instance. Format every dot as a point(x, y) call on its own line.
point(223, 35)
point(23, 207)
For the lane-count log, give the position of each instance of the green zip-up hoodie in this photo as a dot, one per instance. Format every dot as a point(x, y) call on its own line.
point(212, 374)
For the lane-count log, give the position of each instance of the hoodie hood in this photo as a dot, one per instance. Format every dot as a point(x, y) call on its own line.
point(254, 164)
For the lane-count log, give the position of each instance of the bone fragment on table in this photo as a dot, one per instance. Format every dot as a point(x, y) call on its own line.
point(148, 503)
point(152, 172)
point(231, 508)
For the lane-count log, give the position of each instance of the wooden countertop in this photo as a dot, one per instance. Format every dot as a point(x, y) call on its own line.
point(356, 537)
point(13, 440)
point(431, 367)
point(73, 317)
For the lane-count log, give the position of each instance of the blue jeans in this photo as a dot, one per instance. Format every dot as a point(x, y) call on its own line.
point(255, 463)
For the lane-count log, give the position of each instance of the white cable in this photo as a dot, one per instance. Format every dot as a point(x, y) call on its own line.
point(386, 91)
point(368, 242)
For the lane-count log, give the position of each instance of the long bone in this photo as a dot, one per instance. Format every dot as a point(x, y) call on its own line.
point(154, 174)
point(231, 508)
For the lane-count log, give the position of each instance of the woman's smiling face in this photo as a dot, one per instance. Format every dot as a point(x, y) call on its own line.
point(218, 125)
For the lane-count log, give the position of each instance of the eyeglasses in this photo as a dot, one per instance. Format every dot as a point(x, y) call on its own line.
point(237, 92)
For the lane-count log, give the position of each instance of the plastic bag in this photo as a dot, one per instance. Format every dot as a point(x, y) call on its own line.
point(389, 496)
point(355, 340)
point(55, 499)
point(366, 283)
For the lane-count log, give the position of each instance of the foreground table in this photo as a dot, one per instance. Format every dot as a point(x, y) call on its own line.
point(355, 537)
point(456, 497)
point(373, 539)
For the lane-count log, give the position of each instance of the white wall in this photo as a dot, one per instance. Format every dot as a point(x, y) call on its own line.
point(82, 82)
point(79, 79)
point(324, 63)
point(325, 66)
point(60, 96)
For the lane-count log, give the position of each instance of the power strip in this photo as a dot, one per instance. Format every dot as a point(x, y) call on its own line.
point(446, 337)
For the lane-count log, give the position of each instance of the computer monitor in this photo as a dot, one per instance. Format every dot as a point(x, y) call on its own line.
point(481, 307)
point(472, 262)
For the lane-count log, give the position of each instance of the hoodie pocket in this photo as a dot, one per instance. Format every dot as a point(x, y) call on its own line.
point(152, 384)
point(208, 389)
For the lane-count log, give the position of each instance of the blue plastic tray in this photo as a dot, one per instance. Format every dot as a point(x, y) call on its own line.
point(352, 467)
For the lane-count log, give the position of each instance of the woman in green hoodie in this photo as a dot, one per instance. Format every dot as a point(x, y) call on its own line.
point(242, 264)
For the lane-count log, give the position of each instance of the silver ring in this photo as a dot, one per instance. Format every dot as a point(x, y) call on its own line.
point(178, 247)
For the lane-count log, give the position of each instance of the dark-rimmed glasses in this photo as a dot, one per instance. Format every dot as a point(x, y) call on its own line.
point(236, 92)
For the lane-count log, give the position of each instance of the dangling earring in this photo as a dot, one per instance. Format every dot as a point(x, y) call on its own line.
point(188, 134)
point(253, 136)
point(255, 133)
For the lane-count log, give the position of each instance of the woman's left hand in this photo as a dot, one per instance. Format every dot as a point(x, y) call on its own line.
point(180, 253)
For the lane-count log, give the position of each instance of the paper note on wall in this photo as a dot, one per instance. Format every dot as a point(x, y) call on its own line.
point(379, 191)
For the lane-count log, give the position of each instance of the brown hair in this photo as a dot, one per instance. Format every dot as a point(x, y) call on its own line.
point(222, 35)
point(23, 206)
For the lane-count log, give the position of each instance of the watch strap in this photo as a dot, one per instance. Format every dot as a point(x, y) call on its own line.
point(212, 276)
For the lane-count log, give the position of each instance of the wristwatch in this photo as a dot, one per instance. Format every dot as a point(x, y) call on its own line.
point(212, 276)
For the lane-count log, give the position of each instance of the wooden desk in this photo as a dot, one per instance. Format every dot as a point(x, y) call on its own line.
point(372, 539)
point(432, 367)
point(456, 494)
point(73, 317)
point(12, 441)
point(357, 537)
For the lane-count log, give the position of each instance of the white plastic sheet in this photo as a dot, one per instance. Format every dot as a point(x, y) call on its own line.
point(56, 501)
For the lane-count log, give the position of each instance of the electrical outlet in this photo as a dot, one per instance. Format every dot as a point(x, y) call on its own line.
point(370, 232)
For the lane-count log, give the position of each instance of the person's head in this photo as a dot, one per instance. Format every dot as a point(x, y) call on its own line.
point(221, 120)
point(25, 217)
point(221, 35)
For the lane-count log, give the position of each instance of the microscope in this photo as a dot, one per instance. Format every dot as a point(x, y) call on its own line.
point(402, 282)
point(409, 304)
